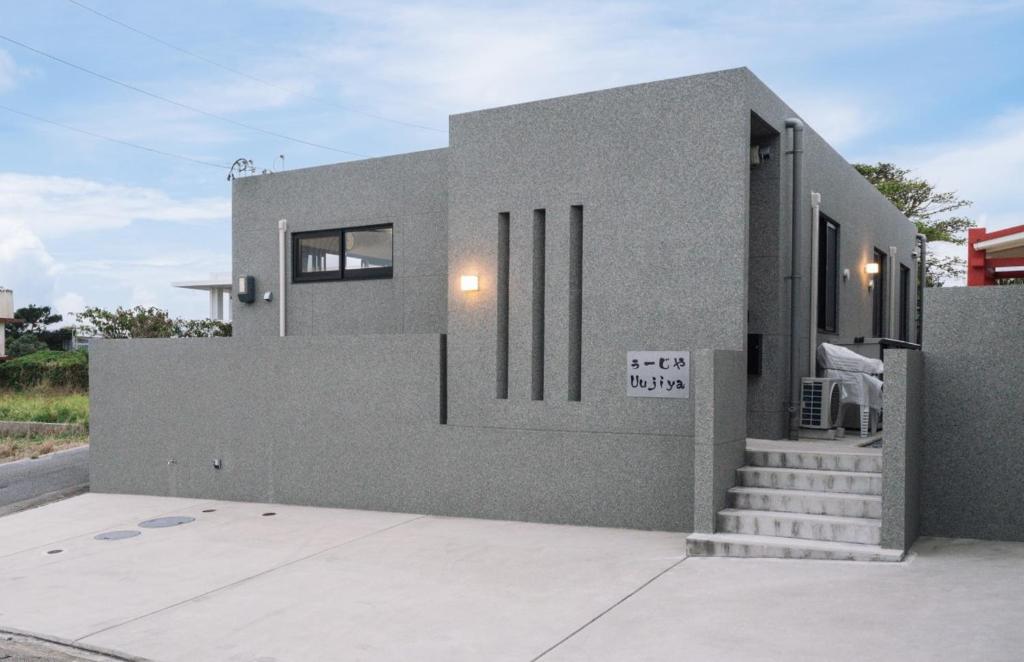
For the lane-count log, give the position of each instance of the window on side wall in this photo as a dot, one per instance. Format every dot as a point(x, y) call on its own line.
point(343, 254)
point(828, 275)
point(904, 302)
point(878, 298)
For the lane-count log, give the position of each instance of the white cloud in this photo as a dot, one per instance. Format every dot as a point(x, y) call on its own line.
point(415, 59)
point(69, 304)
point(36, 211)
point(8, 71)
point(985, 164)
point(59, 206)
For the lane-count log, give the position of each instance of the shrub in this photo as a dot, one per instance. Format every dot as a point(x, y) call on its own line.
point(47, 368)
point(26, 344)
point(142, 322)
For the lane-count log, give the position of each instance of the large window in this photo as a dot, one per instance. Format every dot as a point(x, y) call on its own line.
point(828, 275)
point(878, 298)
point(343, 254)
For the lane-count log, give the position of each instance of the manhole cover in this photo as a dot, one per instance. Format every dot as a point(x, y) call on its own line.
point(55, 551)
point(210, 510)
point(163, 522)
point(269, 514)
point(118, 535)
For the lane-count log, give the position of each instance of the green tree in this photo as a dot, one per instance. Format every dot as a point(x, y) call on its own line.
point(36, 319)
point(143, 322)
point(25, 344)
point(933, 212)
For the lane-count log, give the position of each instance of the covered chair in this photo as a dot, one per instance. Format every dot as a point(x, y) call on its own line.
point(859, 381)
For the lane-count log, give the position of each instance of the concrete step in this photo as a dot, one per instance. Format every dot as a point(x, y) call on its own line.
point(859, 461)
point(747, 546)
point(806, 502)
point(847, 482)
point(798, 525)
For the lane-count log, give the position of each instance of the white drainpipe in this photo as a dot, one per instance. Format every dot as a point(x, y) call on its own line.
point(894, 304)
point(812, 327)
point(282, 229)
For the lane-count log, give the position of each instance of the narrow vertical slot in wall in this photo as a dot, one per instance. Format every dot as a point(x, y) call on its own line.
point(575, 303)
point(443, 380)
point(501, 367)
point(537, 363)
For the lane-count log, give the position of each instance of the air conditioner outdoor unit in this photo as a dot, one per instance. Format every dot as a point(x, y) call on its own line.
point(820, 406)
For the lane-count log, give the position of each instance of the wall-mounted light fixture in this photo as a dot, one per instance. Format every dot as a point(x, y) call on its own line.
point(469, 283)
point(871, 268)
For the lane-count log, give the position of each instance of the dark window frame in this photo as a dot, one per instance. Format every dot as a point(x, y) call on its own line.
point(827, 272)
point(340, 274)
point(879, 298)
point(904, 319)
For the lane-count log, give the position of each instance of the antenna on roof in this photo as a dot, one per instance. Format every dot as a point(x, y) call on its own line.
point(241, 167)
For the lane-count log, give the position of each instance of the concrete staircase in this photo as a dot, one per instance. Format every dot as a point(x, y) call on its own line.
point(802, 500)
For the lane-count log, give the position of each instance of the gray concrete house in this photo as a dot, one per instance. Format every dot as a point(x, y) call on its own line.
point(473, 330)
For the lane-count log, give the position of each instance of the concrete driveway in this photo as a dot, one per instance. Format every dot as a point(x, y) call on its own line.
point(325, 584)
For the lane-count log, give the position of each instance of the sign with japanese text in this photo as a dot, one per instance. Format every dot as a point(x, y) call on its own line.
point(658, 374)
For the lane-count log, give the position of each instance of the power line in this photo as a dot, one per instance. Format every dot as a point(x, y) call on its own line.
point(261, 81)
point(113, 140)
point(179, 104)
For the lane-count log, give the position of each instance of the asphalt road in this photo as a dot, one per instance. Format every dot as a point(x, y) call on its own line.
point(28, 481)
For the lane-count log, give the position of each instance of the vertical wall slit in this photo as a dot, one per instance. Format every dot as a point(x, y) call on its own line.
point(443, 380)
point(575, 302)
point(501, 369)
point(537, 363)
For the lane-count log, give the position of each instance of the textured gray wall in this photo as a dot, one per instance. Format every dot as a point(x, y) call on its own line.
point(408, 190)
point(665, 245)
point(660, 170)
point(903, 450)
point(720, 439)
point(973, 413)
point(352, 422)
point(866, 220)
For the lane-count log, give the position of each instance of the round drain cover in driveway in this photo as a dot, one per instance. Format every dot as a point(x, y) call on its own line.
point(162, 522)
point(117, 535)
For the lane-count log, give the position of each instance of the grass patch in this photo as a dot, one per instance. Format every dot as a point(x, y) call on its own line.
point(20, 448)
point(44, 405)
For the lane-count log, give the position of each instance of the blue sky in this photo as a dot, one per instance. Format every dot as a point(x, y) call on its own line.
point(935, 86)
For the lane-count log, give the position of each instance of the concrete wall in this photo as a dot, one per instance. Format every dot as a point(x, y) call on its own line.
point(408, 190)
point(973, 413)
point(903, 450)
point(353, 422)
point(660, 170)
point(866, 219)
point(720, 439)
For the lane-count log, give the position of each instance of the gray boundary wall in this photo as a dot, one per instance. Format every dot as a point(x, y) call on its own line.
point(974, 413)
point(353, 421)
point(903, 450)
point(720, 423)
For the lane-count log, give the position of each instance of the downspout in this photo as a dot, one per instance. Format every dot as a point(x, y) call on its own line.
point(282, 229)
point(794, 273)
point(922, 275)
point(893, 268)
point(812, 310)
